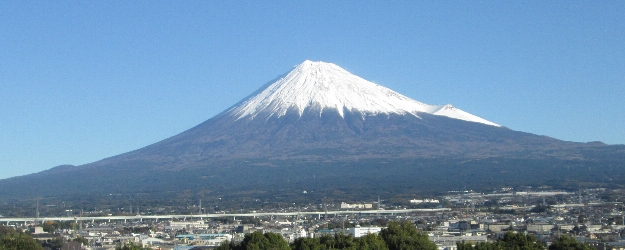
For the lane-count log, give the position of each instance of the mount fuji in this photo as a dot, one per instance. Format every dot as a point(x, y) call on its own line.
point(321, 128)
point(319, 86)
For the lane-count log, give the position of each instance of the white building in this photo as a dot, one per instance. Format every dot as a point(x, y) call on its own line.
point(346, 205)
point(448, 242)
point(539, 228)
point(204, 239)
point(416, 201)
point(152, 241)
point(359, 231)
point(186, 224)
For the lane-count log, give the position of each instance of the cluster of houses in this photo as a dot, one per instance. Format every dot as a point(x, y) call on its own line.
point(443, 228)
point(599, 224)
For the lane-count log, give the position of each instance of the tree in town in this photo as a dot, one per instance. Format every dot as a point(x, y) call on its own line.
point(371, 242)
point(226, 245)
point(257, 241)
point(49, 226)
point(10, 239)
point(276, 241)
point(82, 240)
point(338, 241)
point(540, 209)
point(566, 242)
point(308, 244)
point(405, 236)
point(510, 241)
point(54, 244)
point(132, 246)
point(477, 246)
point(523, 241)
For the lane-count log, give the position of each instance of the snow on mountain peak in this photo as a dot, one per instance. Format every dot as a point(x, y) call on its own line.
point(324, 85)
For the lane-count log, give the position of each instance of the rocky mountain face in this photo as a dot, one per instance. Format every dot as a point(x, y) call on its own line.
point(318, 120)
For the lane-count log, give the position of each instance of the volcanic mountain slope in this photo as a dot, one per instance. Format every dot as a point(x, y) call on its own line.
point(319, 111)
point(319, 114)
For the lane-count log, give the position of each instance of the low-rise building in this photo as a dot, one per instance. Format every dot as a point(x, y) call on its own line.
point(359, 231)
point(347, 206)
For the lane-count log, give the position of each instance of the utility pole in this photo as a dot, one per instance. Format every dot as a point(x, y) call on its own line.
point(299, 211)
point(580, 196)
point(326, 208)
point(37, 211)
point(81, 210)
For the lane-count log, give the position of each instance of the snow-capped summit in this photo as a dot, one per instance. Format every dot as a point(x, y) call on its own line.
point(321, 86)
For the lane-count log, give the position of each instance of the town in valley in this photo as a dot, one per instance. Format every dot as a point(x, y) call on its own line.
point(592, 216)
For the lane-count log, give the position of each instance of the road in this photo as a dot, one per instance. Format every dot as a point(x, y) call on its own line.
point(6, 220)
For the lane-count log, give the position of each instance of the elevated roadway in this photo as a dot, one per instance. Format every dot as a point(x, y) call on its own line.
point(7, 220)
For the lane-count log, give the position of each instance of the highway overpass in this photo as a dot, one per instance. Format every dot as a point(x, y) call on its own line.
point(6, 220)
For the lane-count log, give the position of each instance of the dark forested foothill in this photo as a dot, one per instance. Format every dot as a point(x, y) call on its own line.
point(266, 186)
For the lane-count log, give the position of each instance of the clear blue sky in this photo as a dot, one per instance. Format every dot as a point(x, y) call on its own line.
point(85, 80)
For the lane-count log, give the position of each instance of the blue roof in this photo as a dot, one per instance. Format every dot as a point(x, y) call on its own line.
point(201, 236)
point(183, 247)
